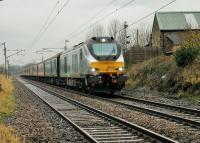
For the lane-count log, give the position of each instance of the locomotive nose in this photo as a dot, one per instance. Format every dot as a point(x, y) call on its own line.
point(107, 67)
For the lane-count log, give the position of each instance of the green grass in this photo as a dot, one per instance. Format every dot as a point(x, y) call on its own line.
point(190, 97)
point(8, 109)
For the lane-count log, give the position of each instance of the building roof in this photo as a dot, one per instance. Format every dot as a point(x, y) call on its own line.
point(175, 38)
point(178, 20)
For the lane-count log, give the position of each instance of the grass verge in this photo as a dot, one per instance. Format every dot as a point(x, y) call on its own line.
point(190, 97)
point(162, 74)
point(7, 134)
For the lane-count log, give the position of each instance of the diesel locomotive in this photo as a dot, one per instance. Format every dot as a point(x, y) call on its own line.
point(96, 65)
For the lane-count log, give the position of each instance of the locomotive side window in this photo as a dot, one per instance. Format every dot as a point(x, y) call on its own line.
point(75, 63)
point(81, 54)
point(54, 67)
point(51, 69)
point(62, 65)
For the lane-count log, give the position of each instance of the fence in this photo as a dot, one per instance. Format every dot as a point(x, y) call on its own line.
point(141, 54)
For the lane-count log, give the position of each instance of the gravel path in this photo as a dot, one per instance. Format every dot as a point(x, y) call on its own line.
point(35, 122)
point(162, 126)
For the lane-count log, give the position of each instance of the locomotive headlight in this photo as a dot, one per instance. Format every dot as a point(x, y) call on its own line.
point(121, 69)
point(93, 69)
point(103, 40)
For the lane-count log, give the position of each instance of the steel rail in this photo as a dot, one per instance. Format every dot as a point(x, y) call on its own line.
point(182, 109)
point(155, 112)
point(89, 137)
point(86, 135)
point(171, 117)
point(142, 131)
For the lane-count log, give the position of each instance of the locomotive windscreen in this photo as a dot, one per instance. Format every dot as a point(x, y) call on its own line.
point(108, 51)
point(105, 49)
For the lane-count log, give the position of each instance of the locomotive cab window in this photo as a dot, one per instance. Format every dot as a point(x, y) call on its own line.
point(105, 51)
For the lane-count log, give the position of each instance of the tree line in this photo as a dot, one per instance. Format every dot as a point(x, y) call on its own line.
point(139, 36)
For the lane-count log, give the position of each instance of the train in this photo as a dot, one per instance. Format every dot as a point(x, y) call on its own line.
point(96, 65)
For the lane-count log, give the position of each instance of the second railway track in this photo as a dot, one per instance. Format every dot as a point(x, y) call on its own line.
point(96, 125)
point(180, 115)
point(177, 114)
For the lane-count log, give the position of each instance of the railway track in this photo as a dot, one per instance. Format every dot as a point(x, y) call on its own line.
point(95, 125)
point(180, 115)
point(183, 115)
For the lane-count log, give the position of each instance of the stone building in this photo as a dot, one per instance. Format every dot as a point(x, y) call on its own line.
point(170, 28)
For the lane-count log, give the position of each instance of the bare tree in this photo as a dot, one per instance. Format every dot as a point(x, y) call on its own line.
point(96, 31)
point(140, 36)
point(114, 28)
point(121, 36)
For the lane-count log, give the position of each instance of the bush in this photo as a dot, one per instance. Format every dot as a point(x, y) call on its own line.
point(185, 56)
point(190, 49)
point(151, 72)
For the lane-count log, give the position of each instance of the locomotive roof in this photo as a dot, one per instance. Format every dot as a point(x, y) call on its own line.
point(70, 49)
point(51, 57)
point(73, 48)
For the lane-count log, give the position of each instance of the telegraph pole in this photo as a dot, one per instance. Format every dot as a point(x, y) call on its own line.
point(137, 34)
point(8, 69)
point(125, 35)
point(4, 44)
point(7, 59)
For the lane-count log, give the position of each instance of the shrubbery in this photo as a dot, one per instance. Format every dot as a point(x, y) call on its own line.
point(162, 74)
point(189, 50)
point(152, 72)
point(175, 75)
point(185, 56)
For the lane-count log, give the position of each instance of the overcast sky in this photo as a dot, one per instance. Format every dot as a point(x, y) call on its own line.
point(21, 21)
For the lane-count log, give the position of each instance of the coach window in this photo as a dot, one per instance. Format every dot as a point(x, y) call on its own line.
point(65, 64)
point(68, 64)
point(55, 64)
point(76, 63)
point(51, 67)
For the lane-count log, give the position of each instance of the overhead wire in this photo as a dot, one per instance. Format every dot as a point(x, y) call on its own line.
point(146, 16)
point(104, 17)
point(133, 23)
point(73, 34)
point(99, 12)
point(92, 18)
point(109, 14)
point(46, 22)
point(52, 20)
